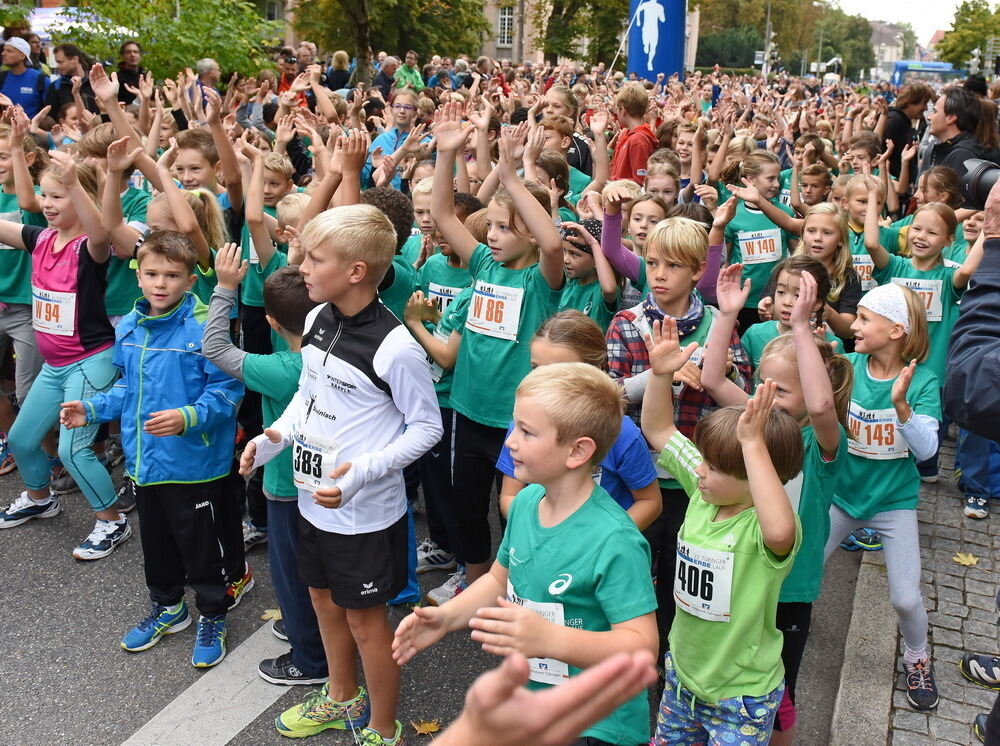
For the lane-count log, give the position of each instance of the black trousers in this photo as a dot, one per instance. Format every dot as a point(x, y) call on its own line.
point(662, 538)
point(256, 340)
point(180, 533)
point(477, 448)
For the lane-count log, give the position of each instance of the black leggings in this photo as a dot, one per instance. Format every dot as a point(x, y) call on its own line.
point(662, 538)
point(793, 621)
point(477, 448)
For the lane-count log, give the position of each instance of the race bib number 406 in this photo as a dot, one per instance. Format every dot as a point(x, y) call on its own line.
point(704, 581)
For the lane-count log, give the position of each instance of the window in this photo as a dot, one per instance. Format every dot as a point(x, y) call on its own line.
point(274, 10)
point(505, 26)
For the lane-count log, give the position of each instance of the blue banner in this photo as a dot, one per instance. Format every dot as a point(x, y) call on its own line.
point(656, 37)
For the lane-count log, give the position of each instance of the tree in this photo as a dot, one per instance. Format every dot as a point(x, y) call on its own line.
point(564, 23)
point(909, 41)
point(175, 33)
point(975, 22)
point(425, 26)
point(733, 47)
point(849, 37)
point(14, 12)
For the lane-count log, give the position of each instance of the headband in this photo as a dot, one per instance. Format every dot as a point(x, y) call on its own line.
point(888, 301)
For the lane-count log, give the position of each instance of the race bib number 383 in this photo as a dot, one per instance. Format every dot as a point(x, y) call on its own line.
point(313, 458)
point(704, 582)
point(495, 310)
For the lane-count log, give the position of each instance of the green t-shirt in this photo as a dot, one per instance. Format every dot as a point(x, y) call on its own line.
point(404, 283)
point(723, 640)
point(589, 571)
point(507, 307)
point(123, 285)
point(578, 181)
point(880, 473)
point(935, 288)
point(811, 493)
point(411, 249)
point(441, 281)
point(452, 320)
point(785, 182)
point(276, 378)
point(15, 264)
point(888, 239)
point(755, 339)
point(588, 299)
point(959, 248)
point(205, 282)
point(252, 287)
point(759, 244)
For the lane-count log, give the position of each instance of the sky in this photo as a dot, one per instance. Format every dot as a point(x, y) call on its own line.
point(926, 15)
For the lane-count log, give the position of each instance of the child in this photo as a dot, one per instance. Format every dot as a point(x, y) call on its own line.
point(68, 275)
point(591, 284)
point(644, 212)
point(178, 415)
point(740, 523)
point(420, 246)
point(626, 471)
point(276, 378)
point(443, 276)
point(570, 584)
point(895, 409)
point(812, 188)
point(814, 387)
point(365, 409)
point(662, 181)
point(517, 280)
point(636, 142)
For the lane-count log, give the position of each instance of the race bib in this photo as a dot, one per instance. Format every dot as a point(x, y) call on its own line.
point(436, 370)
point(53, 312)
point(543, 670)
point(254, 257)
point(495, 310)
point(313, 458)
point(865, 267)
point(704, 581)
point(929, 292)
point(785, 197)
point(874, 434)
point(760, 247)
point(442, 295)
point(11, 217)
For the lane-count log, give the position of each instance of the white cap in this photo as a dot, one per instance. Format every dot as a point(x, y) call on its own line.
point(20, 45)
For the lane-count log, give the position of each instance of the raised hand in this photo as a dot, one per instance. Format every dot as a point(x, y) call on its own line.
point(802, 311)
point(119, 156)
point(750, 426)
point(666, 356)
point(729, 292)
point(448, 128)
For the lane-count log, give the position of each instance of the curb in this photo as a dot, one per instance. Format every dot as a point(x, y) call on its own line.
point(867, 678)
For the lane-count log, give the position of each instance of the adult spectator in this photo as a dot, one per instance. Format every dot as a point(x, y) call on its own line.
point(409, 73)
point(129, 70)
point(384, 80)
point(22, 84)
point(306, 54)
point(953, 122)
point(71, 63)
point(444, 72)
point(209, 73)
point(37, 54)
point(288, 70)
point(339, 74)
point(906, 121)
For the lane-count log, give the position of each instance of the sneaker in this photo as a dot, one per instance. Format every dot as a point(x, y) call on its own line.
point(921, 691)
point(239, 588)
point(454, 585)
point(252, 536)
point(283, 672)
point(23, 509)
point(126, 497)
point(7, 462)
point(160, 622)
point(371, 737)
point(56, 468)
point(432, 557)
point(278, 629)
point(929, 479)
point(319, 712)
point(862, 538)
point(979, 726)
point(977, 507)
point(209, 641)
point(103, 539)
point(63, 484)
point(981, 669)
point(113, 453)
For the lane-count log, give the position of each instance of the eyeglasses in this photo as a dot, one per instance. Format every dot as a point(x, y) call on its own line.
point(403, 107)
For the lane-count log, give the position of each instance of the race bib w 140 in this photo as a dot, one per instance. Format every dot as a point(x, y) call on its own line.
point(760, 247)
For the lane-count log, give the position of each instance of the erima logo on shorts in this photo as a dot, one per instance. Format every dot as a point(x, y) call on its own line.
point(368, 588)
point(560, 584)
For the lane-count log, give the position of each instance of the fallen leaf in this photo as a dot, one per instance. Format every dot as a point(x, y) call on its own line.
point(271, 614)
point(426, 727)
point(965, 559)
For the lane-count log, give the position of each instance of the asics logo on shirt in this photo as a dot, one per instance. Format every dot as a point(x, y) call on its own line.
point(559, 585)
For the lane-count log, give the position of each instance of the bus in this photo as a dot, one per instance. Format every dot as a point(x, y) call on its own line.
point(935, 73)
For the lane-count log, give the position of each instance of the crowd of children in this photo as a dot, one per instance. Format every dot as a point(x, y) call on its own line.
point(691, 363)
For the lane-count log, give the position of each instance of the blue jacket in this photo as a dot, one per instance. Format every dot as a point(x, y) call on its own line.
point(163, 368)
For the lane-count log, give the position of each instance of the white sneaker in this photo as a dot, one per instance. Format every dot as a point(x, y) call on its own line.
point(454, 585)
point(23, 509)
point(432, 557)
point(103, 540)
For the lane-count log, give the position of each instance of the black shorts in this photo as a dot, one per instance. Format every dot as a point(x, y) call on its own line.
point(361, 570)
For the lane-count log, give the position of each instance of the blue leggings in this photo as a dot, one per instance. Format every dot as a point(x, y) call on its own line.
point(40, 411)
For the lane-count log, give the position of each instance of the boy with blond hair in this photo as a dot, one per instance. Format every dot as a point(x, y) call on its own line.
point(566, 604)
point(365, 409)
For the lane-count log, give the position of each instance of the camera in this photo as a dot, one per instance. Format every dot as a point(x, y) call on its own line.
point(980, 176)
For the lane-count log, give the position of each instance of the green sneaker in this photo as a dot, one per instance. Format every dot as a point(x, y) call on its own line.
point(319, 712)
point(370, 737)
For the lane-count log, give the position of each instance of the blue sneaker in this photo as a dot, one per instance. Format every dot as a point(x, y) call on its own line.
point(23, 509)
point(160, 622)
point(209, 642)
point(862, 538)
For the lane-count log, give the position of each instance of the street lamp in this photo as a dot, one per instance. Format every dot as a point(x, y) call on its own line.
point(819, 53)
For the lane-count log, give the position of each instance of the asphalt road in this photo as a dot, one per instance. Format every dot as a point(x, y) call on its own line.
point(66, 681)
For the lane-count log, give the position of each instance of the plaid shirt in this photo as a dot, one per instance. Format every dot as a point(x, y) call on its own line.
point(627, 357)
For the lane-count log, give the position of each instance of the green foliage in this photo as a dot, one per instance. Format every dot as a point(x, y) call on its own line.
point(732, 47)
point(566, 22)
point(175, 33)
point(909, 41)
point(14, 11)
point(975, 22)
point(848, 37)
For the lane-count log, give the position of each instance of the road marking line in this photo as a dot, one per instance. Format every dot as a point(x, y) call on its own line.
point(224, 701)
